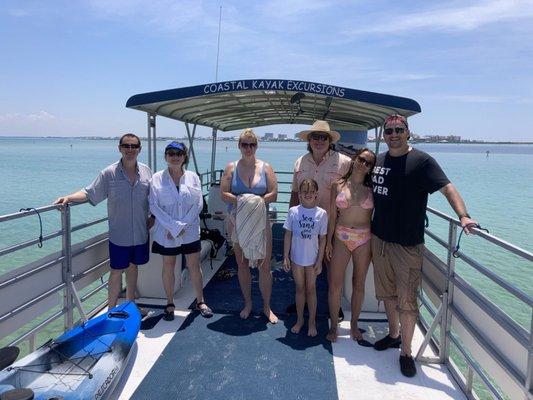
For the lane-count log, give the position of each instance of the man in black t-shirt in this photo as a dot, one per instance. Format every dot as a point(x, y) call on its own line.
point(403, 178)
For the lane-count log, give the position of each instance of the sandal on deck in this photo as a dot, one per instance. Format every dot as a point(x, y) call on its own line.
point(206, 312)
point(167, 314)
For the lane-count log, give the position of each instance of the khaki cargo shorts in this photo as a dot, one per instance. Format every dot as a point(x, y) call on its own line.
point(397, 272)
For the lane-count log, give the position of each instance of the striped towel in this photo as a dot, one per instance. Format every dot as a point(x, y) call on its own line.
point(250, 222)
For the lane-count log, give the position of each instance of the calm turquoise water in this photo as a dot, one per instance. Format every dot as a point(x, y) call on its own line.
point(498, 191)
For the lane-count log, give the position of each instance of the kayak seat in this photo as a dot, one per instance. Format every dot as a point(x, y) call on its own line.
point(17, 394)
point(8, 355)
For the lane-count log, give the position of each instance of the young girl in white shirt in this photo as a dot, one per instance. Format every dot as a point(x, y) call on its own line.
point(305, 239)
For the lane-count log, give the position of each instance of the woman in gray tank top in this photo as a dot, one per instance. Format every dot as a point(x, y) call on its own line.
point(251, 175)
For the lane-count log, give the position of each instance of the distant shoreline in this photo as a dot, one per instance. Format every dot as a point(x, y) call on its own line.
point(233, 139)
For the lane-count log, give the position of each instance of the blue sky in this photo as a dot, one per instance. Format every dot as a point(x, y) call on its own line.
point(68, 67)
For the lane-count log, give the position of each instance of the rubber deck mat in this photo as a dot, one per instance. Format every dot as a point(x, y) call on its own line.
point(225, 357)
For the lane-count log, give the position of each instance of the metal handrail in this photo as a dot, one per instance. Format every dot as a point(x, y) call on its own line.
point(515, 330)
point(65, 258)
point(518, 293)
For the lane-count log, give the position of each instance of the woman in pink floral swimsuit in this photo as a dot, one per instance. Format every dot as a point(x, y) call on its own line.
point(350, 213)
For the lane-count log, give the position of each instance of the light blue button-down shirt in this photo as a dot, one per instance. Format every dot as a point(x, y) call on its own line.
point(127, 204)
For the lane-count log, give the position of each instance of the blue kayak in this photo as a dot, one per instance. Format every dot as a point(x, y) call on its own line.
point(83, 363)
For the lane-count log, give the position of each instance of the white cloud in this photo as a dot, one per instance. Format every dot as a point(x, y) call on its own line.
point(396, 77)
point(452, 19)
point(41, 116)
point(481, 98)
point(19, 13)
point(9, 117)
point(160, 15)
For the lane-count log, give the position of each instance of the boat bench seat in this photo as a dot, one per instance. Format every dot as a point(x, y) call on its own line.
point(149, 283)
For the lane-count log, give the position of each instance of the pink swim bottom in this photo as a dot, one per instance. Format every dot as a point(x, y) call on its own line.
point(352, 237)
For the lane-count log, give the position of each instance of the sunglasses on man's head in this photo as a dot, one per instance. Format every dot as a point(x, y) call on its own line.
point(366, 163)
point(390, 131)
point(171, 153)
point(318, 136)
point(130, 146)
point(248, 145)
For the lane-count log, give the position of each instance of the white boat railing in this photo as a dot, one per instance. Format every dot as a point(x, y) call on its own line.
point(484, 348)
point(35, 295)
point(465, 325)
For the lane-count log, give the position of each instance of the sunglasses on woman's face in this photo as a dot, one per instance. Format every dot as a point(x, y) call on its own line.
point(390, 131)
point(248, 145)
point(175, 153)
point(366, 163)
point(129, 146)
point(318, 136)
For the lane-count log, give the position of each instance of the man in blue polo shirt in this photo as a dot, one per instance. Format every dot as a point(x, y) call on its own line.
point(125, 184)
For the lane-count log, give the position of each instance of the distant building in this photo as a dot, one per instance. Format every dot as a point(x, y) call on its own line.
point(442, 138)
point(268, 136)
point(282, 136)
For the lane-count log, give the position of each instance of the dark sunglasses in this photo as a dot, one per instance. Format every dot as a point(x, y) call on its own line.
point(130, 146)
point(175, 153)
point(318, 136)
point(248, 145)
point(390, 131)
point(361, 160)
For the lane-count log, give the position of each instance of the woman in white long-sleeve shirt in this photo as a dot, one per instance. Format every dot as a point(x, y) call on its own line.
point(176, 202)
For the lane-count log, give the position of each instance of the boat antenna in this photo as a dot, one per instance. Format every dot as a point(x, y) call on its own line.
point(218, 43)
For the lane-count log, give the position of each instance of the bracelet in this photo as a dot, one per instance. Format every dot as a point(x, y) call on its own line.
point(464, 215)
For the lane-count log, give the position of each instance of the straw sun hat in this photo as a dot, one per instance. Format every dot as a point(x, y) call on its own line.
point(323, 127)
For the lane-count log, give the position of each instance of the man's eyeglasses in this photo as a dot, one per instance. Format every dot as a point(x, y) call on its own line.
point(129, 146)
point(175, 153)
point(248, 145)
point(318, 136)
point(361, 160)
point(390, 131)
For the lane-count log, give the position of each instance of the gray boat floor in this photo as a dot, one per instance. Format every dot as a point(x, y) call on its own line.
point(360, 372)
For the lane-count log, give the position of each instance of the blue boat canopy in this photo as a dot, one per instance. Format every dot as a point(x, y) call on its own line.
point(239, 104)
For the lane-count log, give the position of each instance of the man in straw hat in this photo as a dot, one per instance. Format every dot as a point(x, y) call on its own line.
point(322, 164)
point(402, 179)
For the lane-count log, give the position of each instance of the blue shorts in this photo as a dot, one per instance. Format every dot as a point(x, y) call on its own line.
point(120, 257)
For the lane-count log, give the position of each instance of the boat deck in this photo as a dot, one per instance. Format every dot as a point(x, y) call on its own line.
point(225, 357)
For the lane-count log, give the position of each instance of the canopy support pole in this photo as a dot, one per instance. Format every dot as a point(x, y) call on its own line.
point(191, 145)
point(213, 153)
point(378, 137)
point(149, 139)
point(152, 139)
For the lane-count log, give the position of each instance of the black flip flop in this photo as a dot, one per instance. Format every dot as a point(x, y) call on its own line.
point(169, 315)
point(205, 312)
point(363, 342)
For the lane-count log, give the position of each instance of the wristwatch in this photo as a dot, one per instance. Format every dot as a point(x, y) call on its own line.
point(464, 215)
